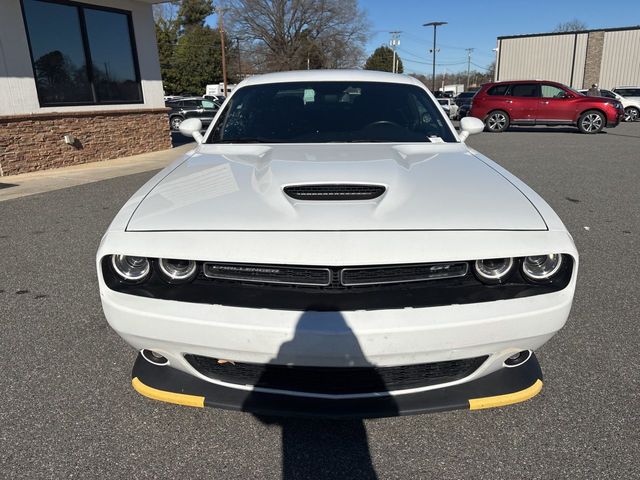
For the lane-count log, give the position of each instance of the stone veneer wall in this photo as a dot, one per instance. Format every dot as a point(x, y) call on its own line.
point(593, 61)
point(36, 142)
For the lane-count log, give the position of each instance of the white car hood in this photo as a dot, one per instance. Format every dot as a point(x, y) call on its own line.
point(428, 187)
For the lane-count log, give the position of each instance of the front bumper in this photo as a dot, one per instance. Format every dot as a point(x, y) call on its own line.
point(503, 387)
point(613, 120)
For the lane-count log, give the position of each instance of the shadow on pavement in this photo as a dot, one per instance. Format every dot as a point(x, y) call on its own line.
point(543, 129)
point(323, 448)
point(177, 139)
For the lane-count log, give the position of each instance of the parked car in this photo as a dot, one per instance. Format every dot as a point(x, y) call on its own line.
point(449, 106)
point(630, 94)
point(219, 99)
point(463, 100)
point(332, 247)
point(534, 102)
point(193, 107)
point(631, 107)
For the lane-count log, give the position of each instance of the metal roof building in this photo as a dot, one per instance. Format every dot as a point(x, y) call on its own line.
point(609, 57)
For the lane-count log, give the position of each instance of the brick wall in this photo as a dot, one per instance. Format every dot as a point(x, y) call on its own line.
point(36, 142)
point(593, 61)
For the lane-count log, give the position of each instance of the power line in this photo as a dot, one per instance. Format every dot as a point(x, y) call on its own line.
point(437, 64)
point(421, 57)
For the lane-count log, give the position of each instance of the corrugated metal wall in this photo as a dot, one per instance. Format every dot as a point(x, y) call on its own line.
point(550, 57)
point(620, 59)
point(545, 58)
point(580, 60)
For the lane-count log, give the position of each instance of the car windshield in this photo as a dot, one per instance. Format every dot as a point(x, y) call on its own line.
point(322, 112)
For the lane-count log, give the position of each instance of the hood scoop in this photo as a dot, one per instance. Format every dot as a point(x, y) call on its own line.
point(335, 191)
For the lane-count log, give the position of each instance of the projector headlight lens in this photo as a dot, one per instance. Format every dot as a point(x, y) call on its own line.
point(177, 271)
point(541, 267)
point(131, 268)
point(493, 270)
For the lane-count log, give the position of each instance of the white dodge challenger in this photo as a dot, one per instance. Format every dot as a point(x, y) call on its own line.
point(332, 247)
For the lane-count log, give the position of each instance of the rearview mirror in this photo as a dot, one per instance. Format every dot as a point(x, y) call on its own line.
point(191, 128)
point(470, 126)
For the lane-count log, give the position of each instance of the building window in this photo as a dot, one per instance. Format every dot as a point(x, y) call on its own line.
point(81, 54)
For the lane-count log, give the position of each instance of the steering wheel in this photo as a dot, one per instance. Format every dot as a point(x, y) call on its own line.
point(383, 122)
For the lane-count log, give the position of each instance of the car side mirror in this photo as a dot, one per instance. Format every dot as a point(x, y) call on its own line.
point(191, 128)
point(470, 126)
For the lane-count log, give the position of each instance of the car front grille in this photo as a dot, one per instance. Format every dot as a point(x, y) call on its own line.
point(333, 277)
point(268, 273)
point(335, 380)
point(334, 192)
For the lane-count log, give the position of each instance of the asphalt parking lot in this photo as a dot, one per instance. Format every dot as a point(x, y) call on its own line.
point(68, 409)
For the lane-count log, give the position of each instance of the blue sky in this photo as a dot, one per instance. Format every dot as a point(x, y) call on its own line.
point(477, 23)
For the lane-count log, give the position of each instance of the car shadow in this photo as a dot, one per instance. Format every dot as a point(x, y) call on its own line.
point(544, 129)
point(322, 448)
point(177, 139)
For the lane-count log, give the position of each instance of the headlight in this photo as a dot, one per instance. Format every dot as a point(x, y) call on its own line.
point(493, 270)
point(129, 268)
point(177, 271)
point(541, 267)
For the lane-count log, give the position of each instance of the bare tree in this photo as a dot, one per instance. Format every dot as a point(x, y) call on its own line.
point(570, 26)
point(165, 12)
point(296, 34)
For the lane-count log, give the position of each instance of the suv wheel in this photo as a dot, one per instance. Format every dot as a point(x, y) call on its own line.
point(175, 122)
point(631, 114)
point(591, 121)
point(497, 121)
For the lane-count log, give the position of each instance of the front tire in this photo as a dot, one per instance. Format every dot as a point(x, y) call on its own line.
point(175, 122)
point(497, 121)
point(631, 114)
point(591, 121)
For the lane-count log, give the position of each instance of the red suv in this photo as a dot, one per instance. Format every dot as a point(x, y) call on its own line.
point(535, 102)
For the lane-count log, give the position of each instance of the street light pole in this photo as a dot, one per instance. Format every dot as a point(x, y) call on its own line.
point(435, 25)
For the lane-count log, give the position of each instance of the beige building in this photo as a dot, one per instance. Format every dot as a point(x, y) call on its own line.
point(79, 82)
point(608, 57)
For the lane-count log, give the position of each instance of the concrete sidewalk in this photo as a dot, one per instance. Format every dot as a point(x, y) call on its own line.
point(16, 186)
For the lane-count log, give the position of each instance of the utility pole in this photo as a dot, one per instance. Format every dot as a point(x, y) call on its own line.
point(224, 59)
point(469, 50)
point(435, 25)
point(239, 63)
point(395, 41)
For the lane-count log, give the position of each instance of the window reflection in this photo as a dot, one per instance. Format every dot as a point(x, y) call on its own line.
point(114, 74)
point(58, 55)
point(76, 66)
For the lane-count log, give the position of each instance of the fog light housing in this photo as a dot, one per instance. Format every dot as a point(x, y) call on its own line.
point(177, 271)
point(541, 267)
point(131, 268)
point(493, 270)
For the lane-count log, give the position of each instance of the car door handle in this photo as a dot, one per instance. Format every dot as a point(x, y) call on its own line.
point(508, 101)
point(546, 102)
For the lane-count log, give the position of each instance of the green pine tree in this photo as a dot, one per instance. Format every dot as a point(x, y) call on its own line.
point(382, 60)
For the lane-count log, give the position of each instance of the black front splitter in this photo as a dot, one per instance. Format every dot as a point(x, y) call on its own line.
point(504, 387)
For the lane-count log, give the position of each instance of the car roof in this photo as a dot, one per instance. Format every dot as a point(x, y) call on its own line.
point(331, 76)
